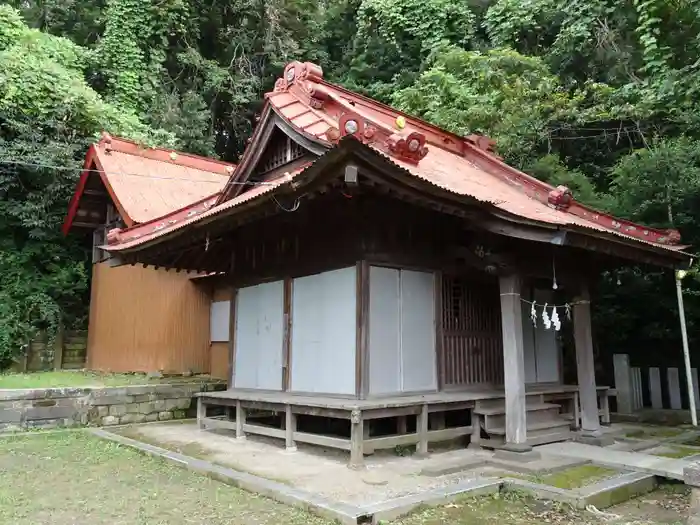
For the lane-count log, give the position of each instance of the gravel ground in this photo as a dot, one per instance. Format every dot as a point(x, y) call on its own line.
point(310, 468)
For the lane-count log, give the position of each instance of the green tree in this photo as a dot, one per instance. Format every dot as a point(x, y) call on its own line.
point(48, 115)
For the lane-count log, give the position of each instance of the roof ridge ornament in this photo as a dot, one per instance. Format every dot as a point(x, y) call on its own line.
point(408, 146)
point(106, 141)
point(306, 76)
point(114, 236)
point(560, 198)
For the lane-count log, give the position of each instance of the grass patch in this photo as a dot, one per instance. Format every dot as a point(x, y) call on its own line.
point(572, 478)
point(578, 477)
point(658, 508)
point(73, 477)
point(694, 442)
point(512, 508)
point(653, 432)
point(64, 378)
point(678, 452)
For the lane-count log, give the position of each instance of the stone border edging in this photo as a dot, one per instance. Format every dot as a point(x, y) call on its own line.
point(395, 508)
point(345, 514)
point(604, 493)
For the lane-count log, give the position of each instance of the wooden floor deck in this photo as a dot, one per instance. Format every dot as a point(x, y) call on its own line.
point(429, 410)
point(340, 403)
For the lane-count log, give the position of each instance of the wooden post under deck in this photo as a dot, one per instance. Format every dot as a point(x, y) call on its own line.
point(290, 427)
point(585, 366)
point(513, 362)
point(357, 435)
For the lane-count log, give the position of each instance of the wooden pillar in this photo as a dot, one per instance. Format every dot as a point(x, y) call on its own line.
point(438, 420)
point(401, 425)
point(475, 441)
point(588, 398)
point(513, 361)
point(357, 435)
point(240, 420)
point(422, 430)
point(290, 426)
point(605, 407)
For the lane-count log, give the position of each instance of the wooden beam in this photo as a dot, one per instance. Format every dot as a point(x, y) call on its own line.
point(362, 356)
point(513, 359)
point(287, 338)
point(585, 365)
point(230, 380)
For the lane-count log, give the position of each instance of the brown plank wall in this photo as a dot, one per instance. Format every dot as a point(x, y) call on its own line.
point(219, 351)
point(147, 320)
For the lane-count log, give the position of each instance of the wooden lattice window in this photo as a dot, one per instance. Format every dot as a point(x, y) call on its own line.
point(280, 150)
point(455, 299)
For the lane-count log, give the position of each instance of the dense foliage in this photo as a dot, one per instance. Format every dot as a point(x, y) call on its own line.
point(601, 95)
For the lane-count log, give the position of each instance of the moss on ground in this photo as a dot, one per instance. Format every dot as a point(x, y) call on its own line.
point(659, 508)
point(572, 478)
point(578, 477)
point(678, 452)
point(652, 432)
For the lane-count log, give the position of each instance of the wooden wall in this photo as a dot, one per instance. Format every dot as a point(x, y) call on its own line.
point(218, 360)
point(146, 320)
point(219, 350)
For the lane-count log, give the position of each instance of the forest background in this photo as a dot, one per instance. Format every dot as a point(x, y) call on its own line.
point(600, 95)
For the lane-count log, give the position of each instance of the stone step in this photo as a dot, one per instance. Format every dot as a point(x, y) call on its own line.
point(496, 410)
point(536, 429)
point(554, 437)
point(534, 441)
point(485, 404)
point(532, 418)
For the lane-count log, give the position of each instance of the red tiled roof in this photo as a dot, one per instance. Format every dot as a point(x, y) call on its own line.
point(128, 238)
point(148, 183)
point(325, 113)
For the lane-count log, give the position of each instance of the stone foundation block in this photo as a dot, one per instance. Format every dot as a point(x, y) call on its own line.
point(110, 420)
point(145, 408)
point(165, 416)
point(8, 415)
point(49, 413)
point(131, 418)
point(117, 410)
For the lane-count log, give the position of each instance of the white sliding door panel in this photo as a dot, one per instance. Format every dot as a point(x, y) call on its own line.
point(417, 331)
point(384, 327)
point(259, 336)
point(324, 321)
point(401, 331)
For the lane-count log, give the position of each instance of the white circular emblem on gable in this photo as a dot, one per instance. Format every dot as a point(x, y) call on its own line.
point(351, 127)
